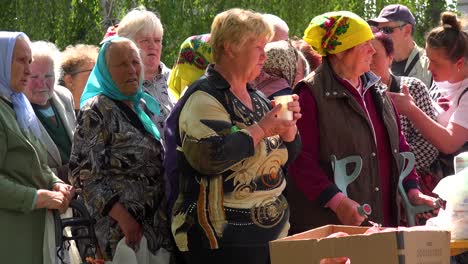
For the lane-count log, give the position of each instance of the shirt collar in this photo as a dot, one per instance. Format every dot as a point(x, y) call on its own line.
point(218, 81)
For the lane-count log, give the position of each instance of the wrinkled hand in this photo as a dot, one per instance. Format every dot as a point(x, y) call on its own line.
point(403, 101)
point(132, 230)
point(348, 214)
point(51, 200)
point(271, 125)
point(66, 189)
point(416, 197)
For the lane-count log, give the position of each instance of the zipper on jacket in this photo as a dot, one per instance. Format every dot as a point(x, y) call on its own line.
point(368, 117)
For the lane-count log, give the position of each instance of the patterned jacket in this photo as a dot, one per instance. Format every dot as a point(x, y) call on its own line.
point(114, 160)
point(424, 151)
point(231, 190)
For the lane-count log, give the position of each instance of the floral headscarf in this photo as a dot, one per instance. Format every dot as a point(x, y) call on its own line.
point(25, 115)
point(100, 82)
point(194, 57)
point(281, 61)
point(335, 32)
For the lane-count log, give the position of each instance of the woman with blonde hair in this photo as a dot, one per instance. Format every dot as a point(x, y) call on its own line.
point(231, 151)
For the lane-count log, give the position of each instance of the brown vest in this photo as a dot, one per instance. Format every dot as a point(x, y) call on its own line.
point(345, 130)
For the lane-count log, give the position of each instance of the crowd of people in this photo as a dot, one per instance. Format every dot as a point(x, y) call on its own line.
point(196, 160)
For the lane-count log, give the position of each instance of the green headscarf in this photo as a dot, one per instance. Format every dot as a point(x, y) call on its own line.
point(100, 82)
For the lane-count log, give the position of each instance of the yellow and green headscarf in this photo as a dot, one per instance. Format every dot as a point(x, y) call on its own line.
point(194, 57)
point(334, 32)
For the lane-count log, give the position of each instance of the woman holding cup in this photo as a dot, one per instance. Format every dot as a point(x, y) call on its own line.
point(232, 150)
point(346, 112)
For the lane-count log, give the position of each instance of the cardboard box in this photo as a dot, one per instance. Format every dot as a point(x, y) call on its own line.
point(396, 247)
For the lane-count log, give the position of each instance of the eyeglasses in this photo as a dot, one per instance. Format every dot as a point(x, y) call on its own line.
point(78, 72)
point(389, 30)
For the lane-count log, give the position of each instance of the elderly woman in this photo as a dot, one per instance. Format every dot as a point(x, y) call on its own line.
point(194, 57)
point(27, 185)
point(76, 64)
point(279, 70)
point(424, 152)
point(232, 150)
point(346, 112)
point(117, 154)
point(447, 50)
point(145, 29)
point(53, 105)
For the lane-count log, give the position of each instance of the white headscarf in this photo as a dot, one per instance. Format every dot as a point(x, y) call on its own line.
point(25, 115)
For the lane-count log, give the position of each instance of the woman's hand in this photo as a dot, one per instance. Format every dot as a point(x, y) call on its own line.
point(66, 189)
point(131, 229)
point(272, 126)
point(348, 214)
point(51, 200)
point(403, 101)
point(416, 197)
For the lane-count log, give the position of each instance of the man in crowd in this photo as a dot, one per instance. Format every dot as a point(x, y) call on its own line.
point(409, 60)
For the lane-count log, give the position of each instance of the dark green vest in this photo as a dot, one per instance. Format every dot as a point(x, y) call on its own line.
point(345, 130)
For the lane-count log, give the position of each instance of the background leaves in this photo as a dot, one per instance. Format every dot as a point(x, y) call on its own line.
point(67, 22)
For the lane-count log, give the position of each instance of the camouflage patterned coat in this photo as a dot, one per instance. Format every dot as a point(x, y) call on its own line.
point(115, 159)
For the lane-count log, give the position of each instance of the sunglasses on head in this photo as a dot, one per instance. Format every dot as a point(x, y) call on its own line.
point(389, 30)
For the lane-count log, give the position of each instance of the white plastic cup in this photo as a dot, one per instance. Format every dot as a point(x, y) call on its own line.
point(284, 113)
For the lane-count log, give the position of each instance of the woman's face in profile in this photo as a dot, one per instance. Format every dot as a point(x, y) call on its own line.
point(20, 65)
point(124, 67)
point(440, 66)
point(380, 60)
point(359, 57)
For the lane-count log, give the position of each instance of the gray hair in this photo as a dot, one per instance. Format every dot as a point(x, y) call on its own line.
point(139, 20)
point(47, 50)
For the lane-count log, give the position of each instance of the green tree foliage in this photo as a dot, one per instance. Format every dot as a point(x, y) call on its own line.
point(66, 22)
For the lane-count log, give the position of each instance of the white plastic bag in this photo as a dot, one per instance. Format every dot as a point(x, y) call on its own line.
point(48, 246)
point(71, 255)
point(453, 189)
point(125, 255)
